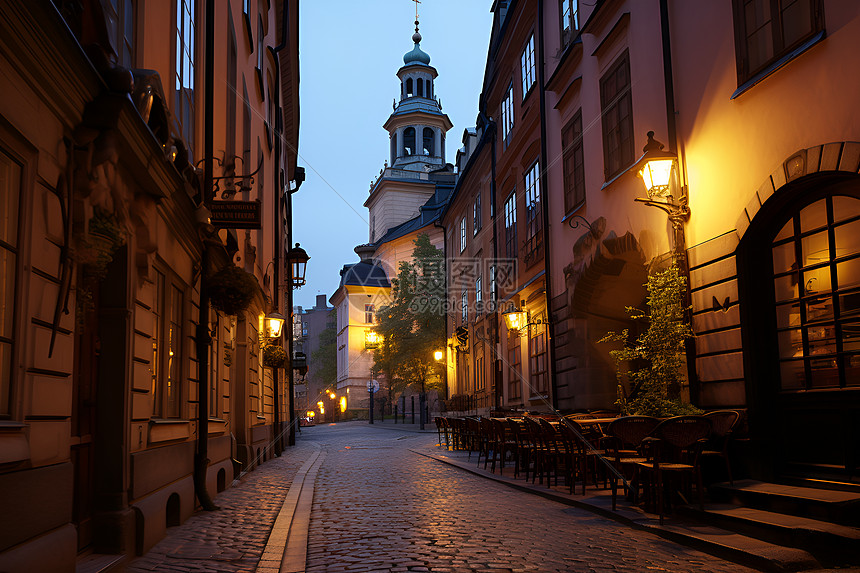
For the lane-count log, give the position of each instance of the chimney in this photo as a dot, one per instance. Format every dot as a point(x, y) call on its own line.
point(365, 252)
point(321, 301)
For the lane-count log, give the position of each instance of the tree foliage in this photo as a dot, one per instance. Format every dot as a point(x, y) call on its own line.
point(324, 357)
point(654, 360)
point(412, 326)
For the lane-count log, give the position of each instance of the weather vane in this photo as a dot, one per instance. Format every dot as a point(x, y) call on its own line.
point(417, 2)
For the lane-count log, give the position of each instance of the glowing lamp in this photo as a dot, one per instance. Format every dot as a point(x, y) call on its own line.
point(439, 355)
point(515, 319)
point(274, 324)
point(343, 404)
point(297, 258)
point(372, 339)
point(655, 167)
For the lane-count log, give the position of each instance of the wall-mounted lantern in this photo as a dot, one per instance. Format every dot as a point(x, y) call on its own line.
point(298, 258)
point(274, 324)
point(372, 339)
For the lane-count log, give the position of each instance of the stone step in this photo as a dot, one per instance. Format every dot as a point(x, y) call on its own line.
point(833, 545)
point(100, 563)
point(830, 505)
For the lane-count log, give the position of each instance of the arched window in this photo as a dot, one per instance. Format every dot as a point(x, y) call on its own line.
point(429, 89)
point(408, 87)
point(409, 141)
point(420, 87)
point(393, 147)
point(429, 141)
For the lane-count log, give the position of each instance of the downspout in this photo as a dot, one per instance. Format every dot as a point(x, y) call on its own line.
point(202, 338)
point(680, 239)
point(543, 192)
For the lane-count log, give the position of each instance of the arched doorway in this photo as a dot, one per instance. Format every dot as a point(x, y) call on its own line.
point(799, 283)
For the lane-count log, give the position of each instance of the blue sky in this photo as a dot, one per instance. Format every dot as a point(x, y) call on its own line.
point(349, 54)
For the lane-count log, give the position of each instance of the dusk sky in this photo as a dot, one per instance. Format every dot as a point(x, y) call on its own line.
point(349, 55)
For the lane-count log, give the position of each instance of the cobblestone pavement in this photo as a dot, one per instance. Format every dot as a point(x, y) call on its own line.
point(379, 507)
point(231, 539)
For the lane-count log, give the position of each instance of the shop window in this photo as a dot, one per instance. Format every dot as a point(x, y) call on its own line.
point(573, 163)
point(11, 172)
point(768, 30)
point(816, 282)
point(617, 117)
point(537, 359)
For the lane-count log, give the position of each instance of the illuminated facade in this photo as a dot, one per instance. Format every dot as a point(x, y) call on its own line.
point(102, 148)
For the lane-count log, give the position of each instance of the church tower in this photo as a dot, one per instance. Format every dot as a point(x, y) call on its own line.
point(416, 129)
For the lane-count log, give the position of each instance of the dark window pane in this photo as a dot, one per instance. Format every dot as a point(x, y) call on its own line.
point(845, 208)
point(796, 21)
point(792, 375)
point(785, 287)
point(783, 258)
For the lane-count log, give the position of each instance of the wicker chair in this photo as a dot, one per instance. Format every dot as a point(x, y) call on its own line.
point(673, 449)
point(622, 442)
point(723, 423)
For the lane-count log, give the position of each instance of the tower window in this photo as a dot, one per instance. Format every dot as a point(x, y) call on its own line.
point(420, 87)
point(408, 87)
point(394, 152)
point(429, 140)
point(409, 141)
point(429, 88)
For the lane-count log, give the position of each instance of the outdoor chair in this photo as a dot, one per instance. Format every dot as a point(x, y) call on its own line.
point(622, 446)
point(555, 452)
point(524, 451)
point(505, 443)
point(673, 451)
point(582, 457)
point(487, 442)
point(534, 433)
point(723, 423)
point(441, 429)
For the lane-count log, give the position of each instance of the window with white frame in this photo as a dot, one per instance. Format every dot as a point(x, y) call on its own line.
point(462, 234)
point(527, 65)
point(511, 225)
point(569, 20)
point(183, 103)
point(534, 238)
point(493, 287)
point(369, 310)
point(479, 295)
point(508, 113)
point(477, 223)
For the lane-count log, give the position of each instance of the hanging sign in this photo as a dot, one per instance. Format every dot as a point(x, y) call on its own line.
point(235, 214)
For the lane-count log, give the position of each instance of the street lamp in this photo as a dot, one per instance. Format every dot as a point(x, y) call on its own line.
point(439, 355)
point(372, 339)
point(655, 168)
point(274, 322)
point(515, 319)
point(298, 258)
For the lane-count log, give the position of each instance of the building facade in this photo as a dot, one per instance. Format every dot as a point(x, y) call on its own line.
point(308, 325)
point(105, 375)
point(758, 213)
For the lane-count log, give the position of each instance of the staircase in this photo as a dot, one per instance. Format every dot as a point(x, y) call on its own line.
point(823, 522)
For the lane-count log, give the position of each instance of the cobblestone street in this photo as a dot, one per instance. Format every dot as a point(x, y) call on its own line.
point(379, 507)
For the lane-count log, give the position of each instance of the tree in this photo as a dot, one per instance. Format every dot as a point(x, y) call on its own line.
point(655, 359)
point(413, 325)
point(324, 357)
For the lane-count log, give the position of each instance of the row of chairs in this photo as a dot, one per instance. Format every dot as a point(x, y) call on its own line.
point(633, 452)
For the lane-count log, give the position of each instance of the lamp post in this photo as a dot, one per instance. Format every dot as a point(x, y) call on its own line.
point(296, 263)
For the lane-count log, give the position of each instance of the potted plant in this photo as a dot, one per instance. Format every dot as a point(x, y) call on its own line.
point(96, 248)
point(274, 356)
point(654, 360)
point(231, 290)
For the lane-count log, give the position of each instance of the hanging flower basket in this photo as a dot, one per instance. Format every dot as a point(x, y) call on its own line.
point(96, 248)
point(231, 290)
point(274, 356)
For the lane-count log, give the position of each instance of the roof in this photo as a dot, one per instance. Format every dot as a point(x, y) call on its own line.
point(364, 273)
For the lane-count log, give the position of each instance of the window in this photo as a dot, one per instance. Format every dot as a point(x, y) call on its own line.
point(508, 113)
point(409, 141)
point(569, 20)
point(537, 358)
point(10, 193)
point(479, 295)
point(420, 83)
point(573, 163)
point(304, 328)
point(767, 30)
point(465, 303)
point(462, 234)
point(514, 374)
point(816, 282)
point(183, 104)
point(476, 215)
point(119, 18)
point(480, 375)
point(246, 7)
point(429, 140)
point(372, 228)
point(408, 87)
point(394, 153)
point(527, 65)
point(166, 362)
point(511, 225)
point(231, 93)
point(260, 44)
point(369, 310)
point(617, 115)
point(534, 239)
point(493, 286)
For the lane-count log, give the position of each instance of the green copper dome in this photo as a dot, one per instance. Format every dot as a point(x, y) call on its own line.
point(416, 55)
